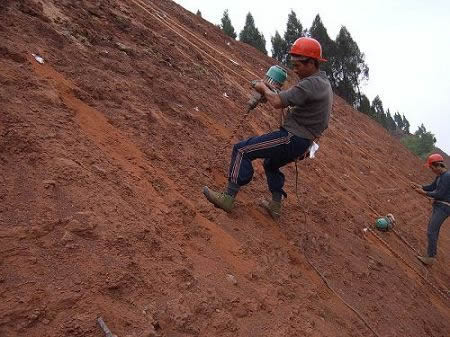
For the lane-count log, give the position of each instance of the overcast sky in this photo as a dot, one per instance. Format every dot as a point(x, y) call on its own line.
point(406, 43)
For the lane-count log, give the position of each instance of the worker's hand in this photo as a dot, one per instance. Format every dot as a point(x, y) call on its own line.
point(414, 185)
point(420, 190)
point(259, 86)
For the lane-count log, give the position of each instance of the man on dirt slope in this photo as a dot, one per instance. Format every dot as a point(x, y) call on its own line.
point(309, 105)
point(439, 190)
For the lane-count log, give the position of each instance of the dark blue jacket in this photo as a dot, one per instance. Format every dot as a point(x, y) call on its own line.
point(439, 189)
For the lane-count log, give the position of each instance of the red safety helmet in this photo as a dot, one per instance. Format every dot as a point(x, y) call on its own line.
point(433, 158)
point(308, 47)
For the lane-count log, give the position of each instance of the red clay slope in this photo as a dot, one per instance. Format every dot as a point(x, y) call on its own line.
point(104, 150)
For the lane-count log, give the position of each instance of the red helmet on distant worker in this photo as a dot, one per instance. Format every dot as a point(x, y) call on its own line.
point(308, 47)
point(433, 158)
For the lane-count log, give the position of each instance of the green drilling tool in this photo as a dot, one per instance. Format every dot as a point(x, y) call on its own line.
point(274, 78)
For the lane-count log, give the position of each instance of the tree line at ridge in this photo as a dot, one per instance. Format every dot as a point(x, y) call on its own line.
point(346, 69)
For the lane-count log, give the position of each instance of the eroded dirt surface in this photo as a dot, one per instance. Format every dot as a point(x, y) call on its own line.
point(104, 150)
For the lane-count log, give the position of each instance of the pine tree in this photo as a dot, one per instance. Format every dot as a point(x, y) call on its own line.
point(319, 32)
point(391, 125)
point(226, 26)
point(350, 67)
point(426, 140)
point(294, 30)
point(262, 44)
point(398, 121)
point(382, 119)
point(378, 110)
point(279, 48)
point(364, 105)
point(251, 35)
point(199, 13)
point(406, 125)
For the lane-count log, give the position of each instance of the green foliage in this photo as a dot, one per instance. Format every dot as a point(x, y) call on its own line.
point(364, 105)
point(294, 30)
point(421, 142)
point(319, 32)
point(350, 68)
point(251, 35)
point(406, 125)
point(377, 109)
point(399, 121)
point(279, 48)
point(427, 139)
point(226, 26)
point(396, 124)
point(391, 125)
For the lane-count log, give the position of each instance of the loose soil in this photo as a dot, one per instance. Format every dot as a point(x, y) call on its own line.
point(104, 150)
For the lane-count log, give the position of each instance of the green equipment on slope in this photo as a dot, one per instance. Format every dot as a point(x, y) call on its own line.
point(274, 78)
point(385, 223)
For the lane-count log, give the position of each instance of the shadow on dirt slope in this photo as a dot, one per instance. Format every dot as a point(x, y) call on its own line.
point(104, 149)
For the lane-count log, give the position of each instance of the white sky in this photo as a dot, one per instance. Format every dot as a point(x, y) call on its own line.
point(406, 43)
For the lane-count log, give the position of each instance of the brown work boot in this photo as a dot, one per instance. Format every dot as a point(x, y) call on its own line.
point(272, 207)
point(219, 199)
point(426, 260)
